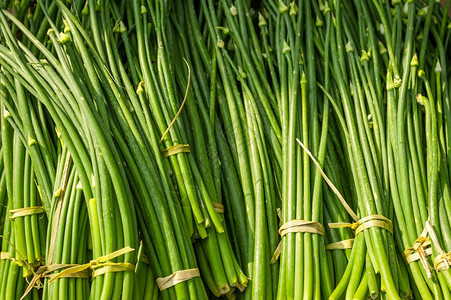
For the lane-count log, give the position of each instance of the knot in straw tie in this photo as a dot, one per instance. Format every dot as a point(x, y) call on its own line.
point(176, 278)
point(422, 242)
point(301, 226)
point(420, 251)
point(365, 223)
point(442, 262)
point(294, 226)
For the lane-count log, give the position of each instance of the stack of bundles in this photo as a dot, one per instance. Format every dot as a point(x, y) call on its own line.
point(236, 149)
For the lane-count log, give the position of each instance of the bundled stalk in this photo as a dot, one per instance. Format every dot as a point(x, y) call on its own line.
point(382, 134)
point(134, 121)
point(143, 185)
point(26, 213)
point(67, 237)
point(44, 89)
point(22, 156)
point(248, 150)
point(209, 155)
point(17, 264)
point(305, 270)
point(12, 283)
point(160, 90)
point(367, 155)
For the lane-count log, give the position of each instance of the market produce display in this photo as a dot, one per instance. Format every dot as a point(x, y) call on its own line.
point(234, 149)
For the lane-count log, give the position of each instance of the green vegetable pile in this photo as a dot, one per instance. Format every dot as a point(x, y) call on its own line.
point(163, 149)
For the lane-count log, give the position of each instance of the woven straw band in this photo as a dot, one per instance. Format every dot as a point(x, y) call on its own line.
point(422, 248)
point(345, 244)
point(110, 267)
point(294, 226)
point(219, 208)
point(44, 271)
point(101, 265)
point(27, 211)
point(37, 263)
point(56, 267)
point(442, 262)
point(175, 150)
point(419, 251)
point(301, 226)
point(34, 264)
point(365, 223)
point(176, 278)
